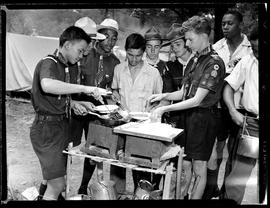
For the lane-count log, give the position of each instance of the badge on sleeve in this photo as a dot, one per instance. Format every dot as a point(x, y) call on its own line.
point(216, 67)
point(214, 73)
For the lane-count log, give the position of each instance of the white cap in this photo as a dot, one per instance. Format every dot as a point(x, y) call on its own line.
point(108, 24)
point(90, 27)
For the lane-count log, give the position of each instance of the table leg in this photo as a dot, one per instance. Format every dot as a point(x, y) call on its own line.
point(167, 182)
point(179, 172)
point(69, 159)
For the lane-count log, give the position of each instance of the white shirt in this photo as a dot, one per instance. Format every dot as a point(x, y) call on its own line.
point(244, 48)
point(133, 95)
point(245, 74)
point(221, 47)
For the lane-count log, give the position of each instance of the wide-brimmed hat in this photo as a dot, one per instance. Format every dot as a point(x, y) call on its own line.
point(176, 32)
point(90, 27)
point(152, 34)
point(108, 24)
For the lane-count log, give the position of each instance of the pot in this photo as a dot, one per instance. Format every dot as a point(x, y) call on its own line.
point(103, 190)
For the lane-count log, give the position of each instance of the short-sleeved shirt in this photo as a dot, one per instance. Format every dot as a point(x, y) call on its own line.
point(208, 73)
point(89, 68)
point(230, 61)
point(134, 95)
point(245, 74)
point(221, 47)
point(46, 103)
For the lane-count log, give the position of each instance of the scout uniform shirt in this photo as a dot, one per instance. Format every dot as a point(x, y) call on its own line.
point(207, 72)
point(45, 103)
point(90, 65)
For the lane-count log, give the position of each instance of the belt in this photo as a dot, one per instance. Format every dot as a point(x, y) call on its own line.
point(247, 113)
point(50, 117)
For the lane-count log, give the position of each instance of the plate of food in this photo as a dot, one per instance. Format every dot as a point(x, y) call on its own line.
point(139, 115)
point(106, 108)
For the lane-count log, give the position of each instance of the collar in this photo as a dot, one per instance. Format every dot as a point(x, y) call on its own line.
point(150, 62)
point(205, 51)
point(144, 69)
point(61, 58)
point(245, 42)
point(184, 63)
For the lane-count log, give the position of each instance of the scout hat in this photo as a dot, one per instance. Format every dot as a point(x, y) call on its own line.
point(90, 27)
point(176, 32)
point(108, 24)
point(152, 34)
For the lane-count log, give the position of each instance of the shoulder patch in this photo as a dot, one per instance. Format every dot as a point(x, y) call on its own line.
point(214, 73)
point(49, 57)
point(216, 67)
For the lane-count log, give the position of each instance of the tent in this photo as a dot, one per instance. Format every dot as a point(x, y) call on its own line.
point(22, 55)
point(24, 52)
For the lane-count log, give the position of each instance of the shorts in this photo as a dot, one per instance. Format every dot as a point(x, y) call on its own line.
point(201, 131)
point(49, 139)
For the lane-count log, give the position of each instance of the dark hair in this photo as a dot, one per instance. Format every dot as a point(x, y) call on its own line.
point(235, 13)
point(73, 33)
point(254, 32)
point(198, 24)
point(135, 41)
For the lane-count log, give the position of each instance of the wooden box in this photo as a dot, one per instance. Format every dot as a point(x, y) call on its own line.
point(144, 144)
point(102, 141)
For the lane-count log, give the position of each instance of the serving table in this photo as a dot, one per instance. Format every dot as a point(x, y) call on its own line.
point(133, 146)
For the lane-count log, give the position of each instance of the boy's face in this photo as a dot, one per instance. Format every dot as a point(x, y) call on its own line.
point(152, 49)
point(178, 47)
point(110, 41)
point(75, 50)
point(134, 56)
point(230, 26)
point(194, 40)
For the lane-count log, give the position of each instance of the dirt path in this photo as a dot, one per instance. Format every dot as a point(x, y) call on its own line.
point(22, 163)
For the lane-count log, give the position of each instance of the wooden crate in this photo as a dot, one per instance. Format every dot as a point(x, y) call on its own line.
point(143, 151)
point(102, 141)
point(144, 145)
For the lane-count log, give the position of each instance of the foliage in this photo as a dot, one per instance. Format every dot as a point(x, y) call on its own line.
point(53, 22)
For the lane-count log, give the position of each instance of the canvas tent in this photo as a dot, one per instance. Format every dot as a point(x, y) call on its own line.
point(22, 55)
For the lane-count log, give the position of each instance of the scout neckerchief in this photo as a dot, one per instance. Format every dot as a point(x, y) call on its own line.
point(67, 80)
point(100, 72)
point(79, 72)
point(188, 78)
point(150, 62)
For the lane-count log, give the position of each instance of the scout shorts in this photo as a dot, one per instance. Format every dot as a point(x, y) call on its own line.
point(49, 139)
point(201, 131)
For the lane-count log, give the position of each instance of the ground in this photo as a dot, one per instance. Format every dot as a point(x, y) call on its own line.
point(23, 166)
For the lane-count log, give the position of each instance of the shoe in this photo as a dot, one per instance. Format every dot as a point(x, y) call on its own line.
point(82, 191)
point(40, 198)
point(216, 192)
point(186, 197)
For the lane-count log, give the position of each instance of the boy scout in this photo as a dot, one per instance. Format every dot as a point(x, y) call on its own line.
point(51, 102)
point(200, 94)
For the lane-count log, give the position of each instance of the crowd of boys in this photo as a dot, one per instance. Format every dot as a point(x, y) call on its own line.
point(210, 91)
